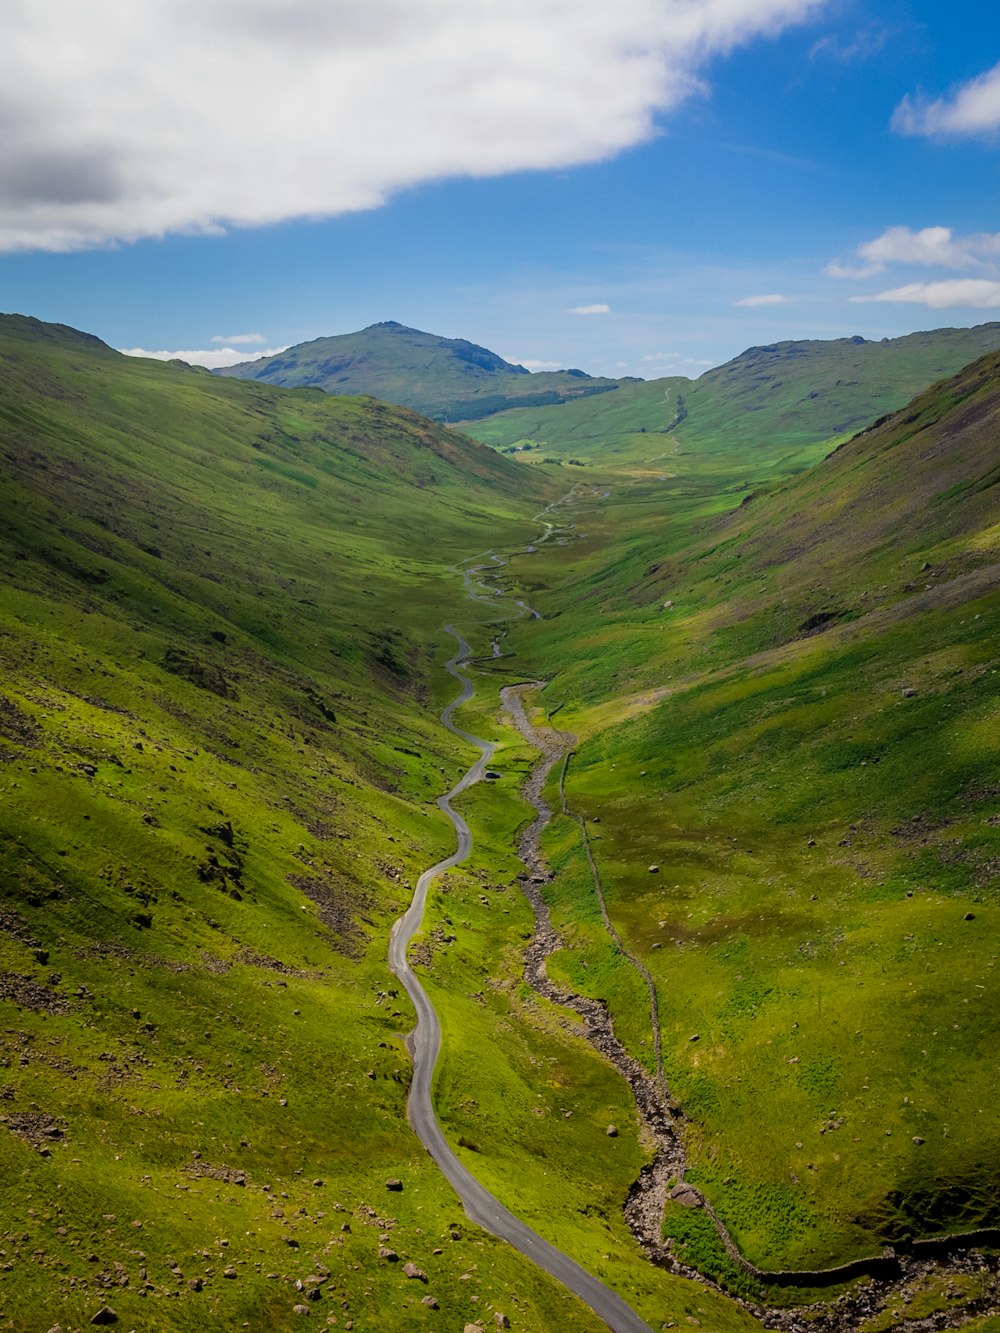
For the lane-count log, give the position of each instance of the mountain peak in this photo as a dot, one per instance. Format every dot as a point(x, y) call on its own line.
point(449, 379)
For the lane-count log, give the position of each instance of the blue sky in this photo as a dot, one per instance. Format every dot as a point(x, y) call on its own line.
point(644, 188)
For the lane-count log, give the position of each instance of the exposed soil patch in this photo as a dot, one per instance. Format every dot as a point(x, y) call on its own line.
point(27, 993)
point(336, 906)
point(36, 1127)
point(16, 726)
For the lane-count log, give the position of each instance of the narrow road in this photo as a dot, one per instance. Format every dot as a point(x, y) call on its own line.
point(424, 1043)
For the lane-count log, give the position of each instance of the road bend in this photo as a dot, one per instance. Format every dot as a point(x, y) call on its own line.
point(424, 1043)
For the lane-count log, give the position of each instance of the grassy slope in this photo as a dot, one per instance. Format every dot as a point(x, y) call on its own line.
point(444, 378)
point(821, 835)
point(218, 616)
point(778, 398)
point(207, 1018)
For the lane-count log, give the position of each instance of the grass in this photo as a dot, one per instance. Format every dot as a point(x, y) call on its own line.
point(221, 655)
point(822, 813)
point(767, 408)
point(221, 670)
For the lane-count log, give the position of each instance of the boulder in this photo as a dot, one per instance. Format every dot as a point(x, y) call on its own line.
point(686, 1195)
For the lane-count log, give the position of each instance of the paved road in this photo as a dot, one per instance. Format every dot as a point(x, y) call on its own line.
point(425, 1041)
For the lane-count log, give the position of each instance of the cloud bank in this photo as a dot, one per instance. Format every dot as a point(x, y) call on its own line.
point(212, 358)
point(120, 121)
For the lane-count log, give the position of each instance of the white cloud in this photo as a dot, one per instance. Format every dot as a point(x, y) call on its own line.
point(598, 308)
point(972, 293)
point(971, 108)
point(931, 247)
point(213, 359)
point(121, 121)
point(239, 339)
point(531, 363)
point(766, 298)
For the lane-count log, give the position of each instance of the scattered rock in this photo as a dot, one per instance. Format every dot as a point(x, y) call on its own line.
point(105, 1315)
point(393, 1184)
point(411, 1270)
point(431, 1302)
point(917, 1140)
point(908, 692)
point(695, 1036)
point(970, 916)
point(612, 1131)
point(300, 1309)
point(654, 870)
point(686, 1195)
point(390, 1256)
point(501, 1320)
point(195, 1283)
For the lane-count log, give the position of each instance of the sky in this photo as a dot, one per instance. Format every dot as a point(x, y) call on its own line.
point(643, 187)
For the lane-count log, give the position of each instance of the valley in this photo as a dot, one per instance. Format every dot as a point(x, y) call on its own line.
point(758, 665)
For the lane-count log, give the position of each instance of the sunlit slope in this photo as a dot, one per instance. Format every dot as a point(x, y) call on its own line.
point(776, 399)
point(445, 378)
point(220, 656)
point(792, 713)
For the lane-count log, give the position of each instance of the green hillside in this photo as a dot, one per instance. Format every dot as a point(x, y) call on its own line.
point(221, 668)
point(788, 710)
point(782, 397)
point(444, 378)
point(220, 653)
point(220, 675)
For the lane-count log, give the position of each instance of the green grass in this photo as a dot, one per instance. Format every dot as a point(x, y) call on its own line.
point(221, 671)
point(820, 836)
point(221, 668)
point(767, 407)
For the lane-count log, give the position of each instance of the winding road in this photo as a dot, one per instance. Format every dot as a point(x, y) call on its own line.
point(424, 1043)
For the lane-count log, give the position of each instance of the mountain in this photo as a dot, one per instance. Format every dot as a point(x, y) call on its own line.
point(785, 717)
point(788, 394)
point(221, 652)
point(444, 378)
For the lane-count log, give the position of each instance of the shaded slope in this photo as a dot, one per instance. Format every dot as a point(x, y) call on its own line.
point(445, 378)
